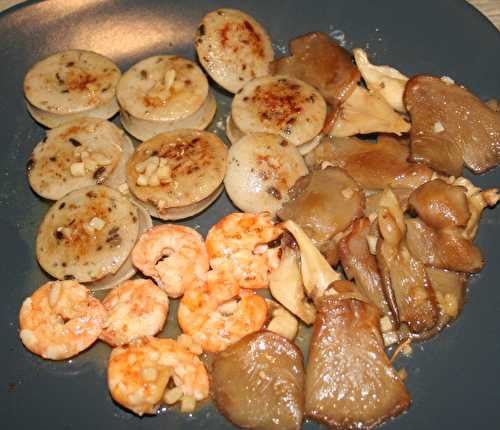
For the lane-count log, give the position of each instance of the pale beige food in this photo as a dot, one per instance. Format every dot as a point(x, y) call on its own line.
point(280, 105)
point(178, 174)
point(175, 256)
point(261, 169)
point(87, 235)
point(80, 153)
point(70, 84)
point(233, 48)
point(60, 320)
point(135, 308)
point(164, 93)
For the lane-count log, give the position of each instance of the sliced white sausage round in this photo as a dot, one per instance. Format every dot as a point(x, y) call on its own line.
point(164, 93)
point(127, 269)
point(233, 48)
point(261, 169)
point(178, 174)
point(69, 84)
point(88, 234)
point(279, 105)
point(77, 154)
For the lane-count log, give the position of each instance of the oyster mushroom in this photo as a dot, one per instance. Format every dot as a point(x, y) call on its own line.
point(324, 203)
point(350, 382)
point(285, 284)
point(406, 284)
point(451, 126)
point(383, 80)
point(363, 113)
point(281, 321)
point(317, 274)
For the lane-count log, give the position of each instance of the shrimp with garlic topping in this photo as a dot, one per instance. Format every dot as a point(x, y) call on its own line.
point(246, 247)
point(139, 374)
point(220, 313)
point(60, 320)
point(174, 256)
point(135, 308)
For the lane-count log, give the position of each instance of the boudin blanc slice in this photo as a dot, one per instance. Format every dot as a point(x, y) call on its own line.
point(87, 235)
point(261, 169)
point(70, 84)
point(233, 48)
point(280, 105)
point(164, 93)
point(178, 174)
point(127, 269)
point(80, 153)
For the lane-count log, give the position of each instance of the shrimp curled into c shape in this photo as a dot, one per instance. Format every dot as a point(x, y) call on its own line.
point(220, 313)
point(174, 256)
point(60, 320)
point(135, 308)
point(138, 374)
point(245, 246)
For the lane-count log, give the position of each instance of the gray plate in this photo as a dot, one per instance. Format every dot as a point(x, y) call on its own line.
point(453, 379)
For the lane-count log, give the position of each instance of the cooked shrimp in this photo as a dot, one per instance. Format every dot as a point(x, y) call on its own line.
point(138, 374)
point(135, 308)
point(220, 313)
point(174, 256)
point(60, 320)
point(244, 247)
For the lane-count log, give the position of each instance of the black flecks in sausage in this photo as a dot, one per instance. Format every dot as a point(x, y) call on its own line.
point(99, 175)
point(69, 277)
point(58, 235)
point(59, 79)
point(61, 206)
point(74, 142)
point(63, 264)
point(64, 91)
point(70, 64)
point(144, 74)
point(91, 195)
point(52, 158)
point(284, 143)
point(201, 30)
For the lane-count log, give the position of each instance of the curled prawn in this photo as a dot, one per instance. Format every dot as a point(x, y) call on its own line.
point(135, 308)
point(139, 373)
point(174, 256)
point(60, 320)
point(220, 313)
point(245, 246)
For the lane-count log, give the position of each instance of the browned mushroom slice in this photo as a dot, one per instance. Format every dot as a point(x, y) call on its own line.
point(319, 61)
point(440, 204)
point(359, 264)
point(373, 166)
point(350, 382)
point(450, 126)
point(324, 203)
point(406, 284)
point(444, 249)
point(258, 383)
point(450, 290)
point(363, 113)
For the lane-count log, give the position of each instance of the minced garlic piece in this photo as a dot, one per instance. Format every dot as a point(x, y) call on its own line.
point(97, 223)
point(77, 169)
point(438, 127)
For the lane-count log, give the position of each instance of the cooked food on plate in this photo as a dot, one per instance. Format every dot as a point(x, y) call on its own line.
point(349, 224)
point(177, 174)
point(70, 84)
point(233, 48)
point(164, 93)
point(261, 168)
point(80, 153)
